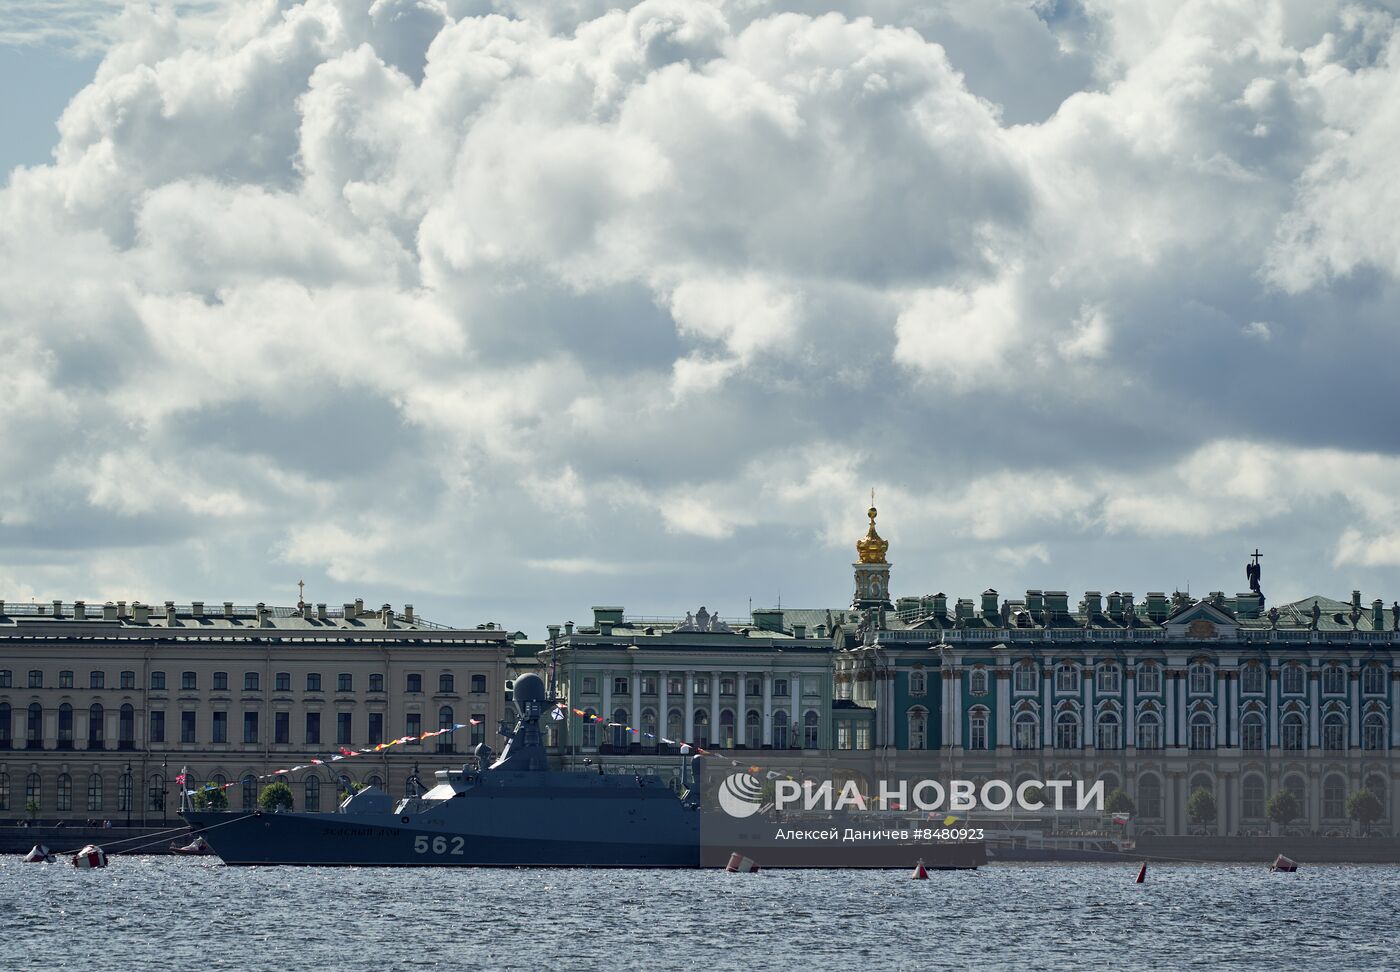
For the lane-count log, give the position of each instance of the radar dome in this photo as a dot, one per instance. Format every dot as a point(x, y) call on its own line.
point(528, 688)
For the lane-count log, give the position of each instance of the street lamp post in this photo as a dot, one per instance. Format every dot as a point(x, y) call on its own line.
point(130, 794)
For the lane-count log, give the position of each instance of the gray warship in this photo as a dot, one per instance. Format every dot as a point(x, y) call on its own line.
point(511, 811)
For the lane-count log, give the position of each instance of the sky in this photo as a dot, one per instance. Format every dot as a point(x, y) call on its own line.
point(507, 308)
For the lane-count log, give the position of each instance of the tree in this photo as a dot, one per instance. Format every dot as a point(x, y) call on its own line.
point(211, 797)
point(1284, 808)
point(32, 808)
point(1200, 807)
point(275, 796)
point(1365, 809)
point(1119, 802)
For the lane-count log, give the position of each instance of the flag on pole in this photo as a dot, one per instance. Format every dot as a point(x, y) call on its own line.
point(557, 715)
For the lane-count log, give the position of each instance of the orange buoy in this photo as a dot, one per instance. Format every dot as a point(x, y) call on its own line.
point(1142, 874)
point(920, 872)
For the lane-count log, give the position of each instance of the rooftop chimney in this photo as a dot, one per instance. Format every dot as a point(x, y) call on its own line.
point(568, 628)
point(169, 613)
point(359, 606)
point(305, 611)
point(1057, 604)
point(1115, 606)
point(940, 605)
point(386, 614)
point(260, 612)
point(197, 609)
point(321, 612)
point(348, 610)
point(109, 611)
point(228, 609)
point(554, 632)
point(408, 613)
point(1355, 600)
point(58, 609)
point(1157, 606)
point(121, 610)
point(79, 609)
point(989, 605)
point(1377, 615)
point(1129, 609)
point(605, 628)
point(1035, 603)
point(141, 612)
point(1093, 604)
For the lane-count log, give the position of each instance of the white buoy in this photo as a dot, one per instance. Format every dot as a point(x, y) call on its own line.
point(90, 857)
point(39, 855)
point(920, 872)
point(739, 864)
point(1142, 874)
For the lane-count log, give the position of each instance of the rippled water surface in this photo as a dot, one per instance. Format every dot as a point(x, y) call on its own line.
point(150, 912)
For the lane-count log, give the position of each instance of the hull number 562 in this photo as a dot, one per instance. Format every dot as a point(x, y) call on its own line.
point(438, 845)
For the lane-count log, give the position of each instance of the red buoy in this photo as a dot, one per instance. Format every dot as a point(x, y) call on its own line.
point(90, 857)
point(1285, 864)
point(1142, 874)
point(920, 872)
point(739, 864)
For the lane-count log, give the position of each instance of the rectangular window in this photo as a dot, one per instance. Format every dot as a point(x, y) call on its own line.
point(313, 682)
point(811, 686)
point(620, 686)
point(189, 681)
point(36, 678)
point(648, 684)
point(478, 724)
point(862, 736)
point(376, 682)
point(446, 684)
point(128, 680)
point(1109, 680)
point(1149, 680)
point(187, 733)
point(413, 724)
point(157, 733)
point(97, 680)
point(313, 728)
point(4, 678)
point(220, 731)
point(157, 681)
point(590, 685)
point(221, 681)
point(343, 728)
point(977, 732)
point(376, 728)
point(674, 686)
point(344, 682)
point(250, 681)
point(780, 687)
point(282, 728)
point(65, 679)
point(413, 683)
point(478, 684)
point(282, 682)
point(250, 727)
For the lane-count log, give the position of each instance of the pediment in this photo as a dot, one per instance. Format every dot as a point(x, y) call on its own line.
point(1201, 621)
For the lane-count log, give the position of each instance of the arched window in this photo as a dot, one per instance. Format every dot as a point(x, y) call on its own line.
point(95, 716)
point(1027, 677)
point(1109, 731)
point(1292, 679)
point(126, 727)
point(94, 791)
point(124, 792)
point(1252, 798)
point(447, 684)
point(977, 681)
point(702, 728)
point(918, 683)
point(1110, 680)
point(780, 729)
point(446, 720)
point(1027, 734)
point(1334, 797)
point(753, 729)
point(918, 727)
point(65, 793)
point(1201, 679)
point(810, 726)
point(4, 791)
point(250, 793)
point(1067, 678)
point(1334, 680)
point(1373, 679)
point(675, 725)
point(1334, 732)
point(1067, 730)
point(33, 790)
point(617, 732)
point(726, 728)
point(648, 727)
point(34, 727)
point(65, 726)
point(1252, 731)
point(5, 725)
point(1375, 785)
point(374, 780)
point(1292, 732)
point(1149, 679)
point(977, 728)
point(1252, 679)
point(590, 728)
point(1149, 801)
point(1149, 730)
point(155, 794)
point(1373, 732)
point(1202, 730)
point(313, 794)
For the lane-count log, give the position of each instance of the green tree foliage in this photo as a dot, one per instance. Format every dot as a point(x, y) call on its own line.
point(1200, 807)
point(1365, 809)
point(275, 796)
point(211, 798)
point(1119, 802)
point(1283, 809)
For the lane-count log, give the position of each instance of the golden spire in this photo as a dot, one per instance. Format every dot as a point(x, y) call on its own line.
point(871, 547)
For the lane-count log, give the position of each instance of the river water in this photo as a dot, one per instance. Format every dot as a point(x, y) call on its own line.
point(170, 913)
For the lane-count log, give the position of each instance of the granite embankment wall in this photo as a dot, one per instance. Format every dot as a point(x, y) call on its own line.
point(18, 840)
point(1307, 850)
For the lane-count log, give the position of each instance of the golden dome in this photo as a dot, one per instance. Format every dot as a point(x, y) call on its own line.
point(871, 547)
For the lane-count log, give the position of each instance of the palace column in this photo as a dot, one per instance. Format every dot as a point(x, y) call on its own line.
point(1130, 709)
point(795, 689)
point(606, 676)
point(1222, 711)
point(1047, 709)
point(1314, 717)
point(740, 690)
point(715, 740)
point(1273, 674)
point(1003, 677)
point(689, 707)
point(956, 739)
point(636, 719)
point(1088, 738)
point(663, 718)
point(1354, 716)
point(768, 708)
point(1234, 707)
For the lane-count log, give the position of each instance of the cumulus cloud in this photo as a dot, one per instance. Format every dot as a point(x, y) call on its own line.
point(506, 306)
